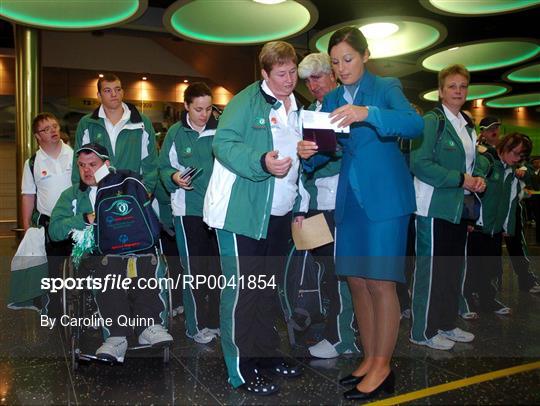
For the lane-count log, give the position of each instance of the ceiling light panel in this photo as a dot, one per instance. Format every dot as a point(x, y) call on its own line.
point(239, 22)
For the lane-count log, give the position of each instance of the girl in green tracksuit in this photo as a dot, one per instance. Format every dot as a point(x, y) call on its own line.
point(188, 143)
point(498, 214)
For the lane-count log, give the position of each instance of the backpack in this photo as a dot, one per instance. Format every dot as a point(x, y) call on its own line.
point(125, 220)
point(31, 163)
point(300, 292)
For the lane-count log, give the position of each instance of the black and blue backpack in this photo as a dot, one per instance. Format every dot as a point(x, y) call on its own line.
point(125, 220)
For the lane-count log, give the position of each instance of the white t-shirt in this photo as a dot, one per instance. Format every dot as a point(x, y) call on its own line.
point(51, 177)
point(114, 130)
point(286, 133)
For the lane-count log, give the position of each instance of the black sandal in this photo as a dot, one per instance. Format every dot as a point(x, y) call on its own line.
point(286, 370)
point(260, 385)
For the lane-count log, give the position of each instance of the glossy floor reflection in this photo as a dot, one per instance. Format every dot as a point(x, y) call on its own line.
point(35, 369)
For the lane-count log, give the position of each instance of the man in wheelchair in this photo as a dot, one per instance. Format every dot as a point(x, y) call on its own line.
point(138, 309)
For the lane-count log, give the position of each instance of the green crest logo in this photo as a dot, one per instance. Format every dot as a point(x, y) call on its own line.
point(261, 121)
point(119, 208)
point(188, 150)
point(451, 143)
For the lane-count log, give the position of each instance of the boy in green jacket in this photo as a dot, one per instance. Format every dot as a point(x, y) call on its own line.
point(119, 309)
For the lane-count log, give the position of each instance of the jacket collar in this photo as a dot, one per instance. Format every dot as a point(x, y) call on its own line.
point(468, 120)
point(366, 85)
point(210, 125)
point(134, 118)
point(275, 103)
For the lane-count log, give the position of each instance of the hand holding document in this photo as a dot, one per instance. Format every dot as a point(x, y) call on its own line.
point(313, 233)
point(318, 128)
point(320, 120)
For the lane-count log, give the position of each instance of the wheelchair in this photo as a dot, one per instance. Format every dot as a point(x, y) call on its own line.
point(80, 304)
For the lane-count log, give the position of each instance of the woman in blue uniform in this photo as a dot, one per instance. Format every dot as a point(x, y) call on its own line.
point(374, 201)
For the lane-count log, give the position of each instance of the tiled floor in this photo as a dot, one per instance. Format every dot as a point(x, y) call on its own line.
point(35, 369)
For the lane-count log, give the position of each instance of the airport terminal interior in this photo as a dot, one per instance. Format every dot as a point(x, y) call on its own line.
point(52, 52)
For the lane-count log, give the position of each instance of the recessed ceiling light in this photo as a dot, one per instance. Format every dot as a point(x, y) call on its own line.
point(269, 1)
point(144, 78)
point(72, 15)
point(389, 36)
point(484, 54)
point(186, 81)
point(240, 22)
point(379, 30)
point(100, 75)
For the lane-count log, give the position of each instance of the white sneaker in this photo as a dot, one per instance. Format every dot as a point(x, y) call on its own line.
point(503, 311)
point(202, 337)
point(215, 331)
point(113, 349)
point(177, 311)
point(156, 336)
point(323, 349)
point(437, 342)
point(535, 288)
point(470, 316)
point(405, 314)
point(458, 335)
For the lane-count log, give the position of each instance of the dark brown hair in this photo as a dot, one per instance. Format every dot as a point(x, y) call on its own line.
point(352, 36)
point(514, 140)
point(107, 77)
point(196, 89)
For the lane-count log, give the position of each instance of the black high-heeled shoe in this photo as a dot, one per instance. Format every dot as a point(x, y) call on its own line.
point(351, 380)
point(387, 386)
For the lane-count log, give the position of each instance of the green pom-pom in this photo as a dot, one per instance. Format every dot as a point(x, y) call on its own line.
point(84, 244)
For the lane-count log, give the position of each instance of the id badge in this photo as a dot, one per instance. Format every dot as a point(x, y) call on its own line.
point(132, 267)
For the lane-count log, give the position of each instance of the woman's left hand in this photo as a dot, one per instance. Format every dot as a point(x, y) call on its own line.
point(348, 114)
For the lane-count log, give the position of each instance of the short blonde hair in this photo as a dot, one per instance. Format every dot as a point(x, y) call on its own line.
point(456, 69)
point(276, 53)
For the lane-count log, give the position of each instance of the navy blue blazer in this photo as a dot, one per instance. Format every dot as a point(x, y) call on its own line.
point(372, 163)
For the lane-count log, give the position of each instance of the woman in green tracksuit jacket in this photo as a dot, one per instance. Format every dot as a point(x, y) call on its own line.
point(497, 216)
point(250, 202)
point(443, 161)
point(188, 143)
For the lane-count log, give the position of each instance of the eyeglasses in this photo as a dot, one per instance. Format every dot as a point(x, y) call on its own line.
point(49, 129)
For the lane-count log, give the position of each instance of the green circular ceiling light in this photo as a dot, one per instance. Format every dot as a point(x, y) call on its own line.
point(239, 22)
point(474, 8)
point(517, 100)
point(388, 36)
point(71, 14)
point(525, 74)
point(483, 55)
point(476, 91)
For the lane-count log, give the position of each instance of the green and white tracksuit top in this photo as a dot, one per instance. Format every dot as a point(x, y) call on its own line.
point(438, 162)
point(68, 213)
point(134, 149)
point(184, 147)
point(242, 195)
point(499, 201)
point(321, 184)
